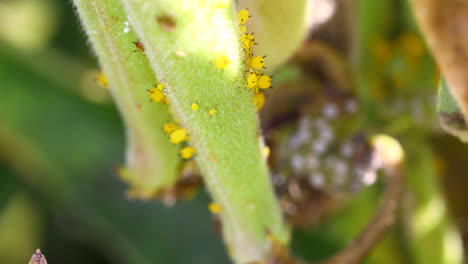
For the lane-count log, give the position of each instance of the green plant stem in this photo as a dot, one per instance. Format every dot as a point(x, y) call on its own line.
point(152, 161)
point(182, 41)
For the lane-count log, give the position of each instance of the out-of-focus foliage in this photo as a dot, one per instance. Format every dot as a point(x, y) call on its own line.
point(450, 115)
point(61, 141)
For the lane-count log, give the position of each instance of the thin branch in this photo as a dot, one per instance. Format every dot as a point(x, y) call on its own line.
point(390, 154)
point(379, 225)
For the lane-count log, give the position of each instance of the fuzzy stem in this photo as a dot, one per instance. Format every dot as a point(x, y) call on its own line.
point(151, 159)
point(183, 40)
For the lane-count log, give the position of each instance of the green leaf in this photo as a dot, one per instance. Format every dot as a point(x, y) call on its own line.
point(451, 118)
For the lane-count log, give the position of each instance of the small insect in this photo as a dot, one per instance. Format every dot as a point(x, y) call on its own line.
point(194, 107)
point(168, 128)
point(139, 46)
point(266, 152)
point(179, 135)
point(243, 38)
point(246, 45)
point(101, 79)
point(212, 112)
point(259, 100)
point(38, 258)
point(252, 80)
point(243, 16)
point(166, 22)
point(187, 152)
point(222, 61)
point(158, 96)
point(215, 208)
point(247, 40)
point(250, 36)
point(257, 62)
point(248, 55)
point(264, 82)
point(243, 29)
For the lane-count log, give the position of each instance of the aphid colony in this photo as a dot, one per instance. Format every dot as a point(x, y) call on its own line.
point(177, 134)
point(256, 80)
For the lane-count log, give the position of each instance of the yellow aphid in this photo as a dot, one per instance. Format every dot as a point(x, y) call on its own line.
point(212, 112)
point(252, 80)
point(247, 59)
point(248, 40)
point(101, 79)
point(264, 82)
point(215, 208)
point(170, 127)
point(222, 61)
point(250, 37)
point(160, 86)
point(187, 152)
point(248, 55)
point(259, 100)
point(243, 16)
point(179, 135)
point(194, 107)
point(247, 37)
point(243, 29)
point(257, 62)
point(266, 152)
point(246, 45)
point(158, 96)
point(125, 175)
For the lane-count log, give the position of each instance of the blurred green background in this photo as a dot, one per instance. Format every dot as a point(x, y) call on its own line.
point(61, 140)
